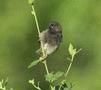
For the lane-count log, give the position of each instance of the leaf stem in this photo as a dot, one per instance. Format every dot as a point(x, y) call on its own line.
point(70, 65)
point(36, 87)
point(46, 67)
point(33, 84)
point(42, 48)
point(44, 55)
point(37, 24)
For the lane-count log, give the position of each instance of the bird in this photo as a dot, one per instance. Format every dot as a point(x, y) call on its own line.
point(51, 38)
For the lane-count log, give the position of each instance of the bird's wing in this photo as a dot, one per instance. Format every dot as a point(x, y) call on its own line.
point(43, 36)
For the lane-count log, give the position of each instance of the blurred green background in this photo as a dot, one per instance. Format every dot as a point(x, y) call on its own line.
point(81, 23)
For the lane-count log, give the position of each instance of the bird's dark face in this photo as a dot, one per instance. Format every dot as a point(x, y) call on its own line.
point(54, 28)
point(55, 32)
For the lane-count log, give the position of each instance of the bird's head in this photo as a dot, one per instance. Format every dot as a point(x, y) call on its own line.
point(54, 28)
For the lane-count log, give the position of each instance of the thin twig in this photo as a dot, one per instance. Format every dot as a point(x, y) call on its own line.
point(37, 24)
point(33, 84)
point(41, 44)
point(46, 67)
point(69, 67)
point(71, 61)
point(36, 87)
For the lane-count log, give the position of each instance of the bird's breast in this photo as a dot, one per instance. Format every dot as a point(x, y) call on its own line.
point(49, 48)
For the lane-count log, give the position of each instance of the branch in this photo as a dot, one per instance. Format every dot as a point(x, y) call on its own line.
point(32, 82)
point(37, 24)
point(43, 57)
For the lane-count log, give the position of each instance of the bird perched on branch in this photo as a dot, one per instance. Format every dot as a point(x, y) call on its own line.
point(51, 38)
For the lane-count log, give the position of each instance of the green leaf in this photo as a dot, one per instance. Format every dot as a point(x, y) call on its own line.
point(62, 86)
point(30, 1)
point(66, 89)
point(31, 81)
point(71, 50)
point(11, 89)
point(52, 77)
point(33, 63)
point(69, 85)
point(58, 74)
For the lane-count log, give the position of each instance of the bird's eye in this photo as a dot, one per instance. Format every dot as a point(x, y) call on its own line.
point(52, 24)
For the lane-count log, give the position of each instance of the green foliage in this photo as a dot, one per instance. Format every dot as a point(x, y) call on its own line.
point(51, 77)
point(65, 85)
point(3, 84)
point(71, 50)
point(34, 85)
point(35, 62)
point(31, 1)
point(11, 89)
